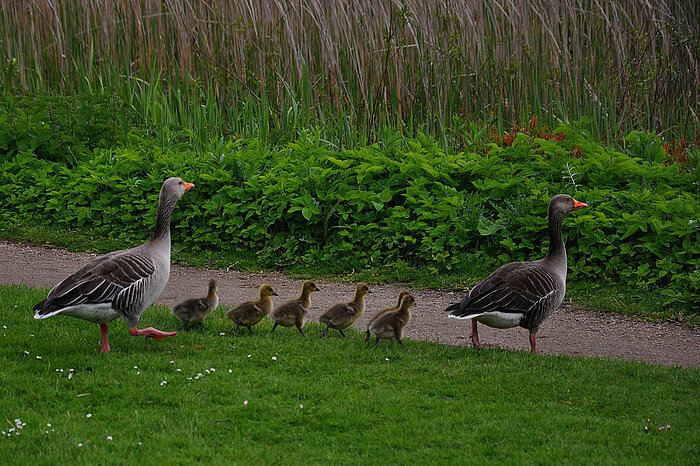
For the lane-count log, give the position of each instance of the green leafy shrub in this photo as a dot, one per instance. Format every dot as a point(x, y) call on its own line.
point(407, 202)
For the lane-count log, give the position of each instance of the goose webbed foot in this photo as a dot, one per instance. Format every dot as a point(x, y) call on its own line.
point(342, 333)
point(151, 332)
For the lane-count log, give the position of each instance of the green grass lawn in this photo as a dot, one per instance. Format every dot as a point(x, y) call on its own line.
point(288, 399)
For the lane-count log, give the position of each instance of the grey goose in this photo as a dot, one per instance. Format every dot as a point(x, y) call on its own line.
point(384, 311)
point(522, 293)
point(250, 313)
point(121, 283)
point(391, 324)
point(194, 310)
point(341, 316)
point(293, 312)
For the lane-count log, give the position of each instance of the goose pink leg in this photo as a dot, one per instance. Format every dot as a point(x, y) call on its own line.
point(533, 343)
point(105, 343)
point(475, 335)
point(151, 332)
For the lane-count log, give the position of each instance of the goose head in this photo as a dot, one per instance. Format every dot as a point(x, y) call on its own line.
point(563, 204)
point(362, 290)
point(407, 301)
point(173, 189)
point(266, 291)
point(308, 287)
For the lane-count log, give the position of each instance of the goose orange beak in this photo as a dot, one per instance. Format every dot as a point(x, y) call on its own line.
point(188, 186)
point(579, 204)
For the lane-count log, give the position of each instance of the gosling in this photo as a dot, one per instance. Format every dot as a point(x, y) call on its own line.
point(293, 312)
point(384, 311)
point(341, 316)
point(193, 311)
point(250, 313)
point(391, 324)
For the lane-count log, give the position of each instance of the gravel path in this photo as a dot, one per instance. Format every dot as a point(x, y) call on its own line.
point(568, 331)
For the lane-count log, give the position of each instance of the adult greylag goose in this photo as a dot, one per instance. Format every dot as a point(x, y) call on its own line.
point(384, 311)
point(391, 324)
point(341, 316)
point(193, 311)
point(121, 283)
point(250, 313)
point(293, 312)
point(522, 293)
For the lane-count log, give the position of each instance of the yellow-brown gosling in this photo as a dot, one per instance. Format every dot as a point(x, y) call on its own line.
point(341, 316)
point(391, 324)
point(384, 311)
point(193, 311)
point(293, 312)
point(250, 313)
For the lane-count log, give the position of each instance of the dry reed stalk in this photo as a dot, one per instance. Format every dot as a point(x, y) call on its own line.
point(458, 56)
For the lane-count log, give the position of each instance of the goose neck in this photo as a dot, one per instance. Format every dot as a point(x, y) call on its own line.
point(557, 250)
point(161, 231)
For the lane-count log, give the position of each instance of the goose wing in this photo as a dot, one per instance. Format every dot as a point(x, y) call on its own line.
point(101, 280)
point(513, 288)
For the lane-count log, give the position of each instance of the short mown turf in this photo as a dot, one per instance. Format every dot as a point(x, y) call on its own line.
point(207, 396)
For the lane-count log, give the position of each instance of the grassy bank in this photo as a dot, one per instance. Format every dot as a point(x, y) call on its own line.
point(287, 398)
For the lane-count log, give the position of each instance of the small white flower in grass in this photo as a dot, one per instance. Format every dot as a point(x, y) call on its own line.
point(230, 371)
point(212, 369)
point(109, 437)
point(48, 425)
point(4, 326)
point(61, 370)
point(250, 355)
point(88, 415)
point(80, 444)
point(164, 382)
point(136, 367)
point(179, 370)
point(668, 426)
point(222, 334)
point(26, 352)
point(70, 376)
point(274, 358)
point(245, 402)
point(386, 359)
point(31, 335)
point(301, 406)
point(206, 370)
point(172, 362)
point(38, 357)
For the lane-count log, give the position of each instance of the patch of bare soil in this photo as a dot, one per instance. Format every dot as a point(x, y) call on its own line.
point(569, 331)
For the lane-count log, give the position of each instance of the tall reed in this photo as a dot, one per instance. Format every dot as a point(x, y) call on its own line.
point(349, 68)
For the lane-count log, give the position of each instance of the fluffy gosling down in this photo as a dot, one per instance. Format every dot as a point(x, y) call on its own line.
point(341, 316)
point(193, 311)
point(391, 324)
point(250, 313)
point(384, 311)
point(293, 312)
